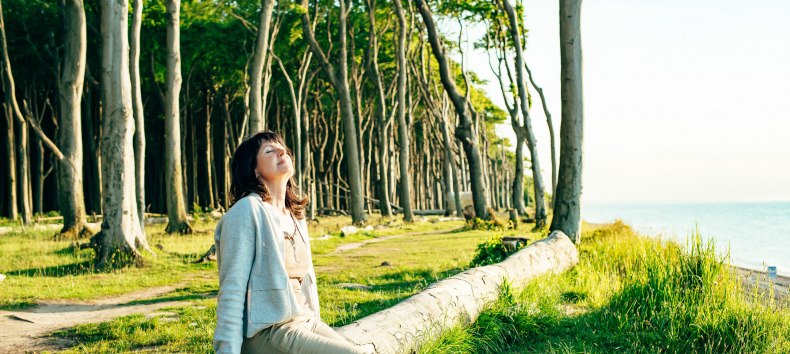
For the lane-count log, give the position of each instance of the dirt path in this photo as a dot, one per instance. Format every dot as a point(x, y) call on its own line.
point(350, 246)
point(29, 330)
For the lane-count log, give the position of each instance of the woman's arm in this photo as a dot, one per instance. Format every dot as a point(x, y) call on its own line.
point(235, 253)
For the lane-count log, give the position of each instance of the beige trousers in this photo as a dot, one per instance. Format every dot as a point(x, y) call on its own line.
point(307, 335)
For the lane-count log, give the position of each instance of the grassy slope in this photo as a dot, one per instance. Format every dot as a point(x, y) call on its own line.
point(629, 293)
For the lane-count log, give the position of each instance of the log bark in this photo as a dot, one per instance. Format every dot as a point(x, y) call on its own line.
point(567, 202)
point(405, 326)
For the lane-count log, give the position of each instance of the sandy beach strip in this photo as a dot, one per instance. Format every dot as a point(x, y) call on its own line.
point(755, 278)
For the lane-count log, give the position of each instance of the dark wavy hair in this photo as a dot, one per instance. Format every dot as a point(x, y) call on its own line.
point(243, 179)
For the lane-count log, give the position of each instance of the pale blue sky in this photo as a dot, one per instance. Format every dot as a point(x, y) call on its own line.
point(684, 100)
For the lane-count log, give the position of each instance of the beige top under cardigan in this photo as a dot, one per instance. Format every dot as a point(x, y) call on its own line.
point(254, 291)
point(295, 256)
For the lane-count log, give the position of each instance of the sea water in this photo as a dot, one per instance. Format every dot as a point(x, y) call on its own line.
point(757, 235)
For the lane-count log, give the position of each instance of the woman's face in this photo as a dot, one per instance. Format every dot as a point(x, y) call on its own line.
point(274, 163)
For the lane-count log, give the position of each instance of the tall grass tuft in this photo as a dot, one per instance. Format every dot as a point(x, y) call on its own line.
point(634, 294)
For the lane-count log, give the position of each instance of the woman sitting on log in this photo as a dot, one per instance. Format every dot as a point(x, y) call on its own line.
point(267, 301)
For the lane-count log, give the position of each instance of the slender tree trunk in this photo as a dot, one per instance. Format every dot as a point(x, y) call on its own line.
point(567, 204)
point(449, 166)
point(13, 210)
point(22, 194)
point(403, 128)
point(466, 131)
point(518, 178)
point(92, 163)
point(23, 174)
point(257, 120)
point(339, 79)
point(382, 121)
point(226, 141)
point(139, 116)
point(521, 83)
point(459, 208)
point(207, 154)
point(551, 130)
point(121, 235)
point(37, 175)
point(176, 211)
point(300, 123)
point(70, 180)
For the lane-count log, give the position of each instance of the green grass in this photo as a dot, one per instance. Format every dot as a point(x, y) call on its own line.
point(629, 293)
point(40, 269)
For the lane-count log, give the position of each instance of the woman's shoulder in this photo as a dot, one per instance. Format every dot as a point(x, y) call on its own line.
point(245, 206)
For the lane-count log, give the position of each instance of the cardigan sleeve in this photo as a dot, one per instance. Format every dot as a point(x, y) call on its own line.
point(235, 244)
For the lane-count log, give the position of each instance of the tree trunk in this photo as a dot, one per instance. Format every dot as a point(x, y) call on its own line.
point(70, 180)
point(451, 189)
point(37, 175)
point(466, 131)
point(207, 154)
point(458, 299)
point(459, 208)
point(23, 174)
point(382, 120)
point(226, 141)
point(176, 211)
point(518, 179)
point(339, 79)
point(551, 130)
point(120, 235)
point(13, 210)
point(521, 83)
point(403, 128)
point(257, 120)
point(139, 116)
point(567, 204)
point(22, 193)
point(92, 163)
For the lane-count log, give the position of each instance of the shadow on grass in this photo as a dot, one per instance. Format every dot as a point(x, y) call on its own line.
point(80, 268)
point(173, 297)
point(408, 278)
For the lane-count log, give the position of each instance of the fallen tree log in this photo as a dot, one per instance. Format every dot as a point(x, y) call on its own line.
point(458, 299)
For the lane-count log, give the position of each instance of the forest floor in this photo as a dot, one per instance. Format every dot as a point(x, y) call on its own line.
point(52, 300)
